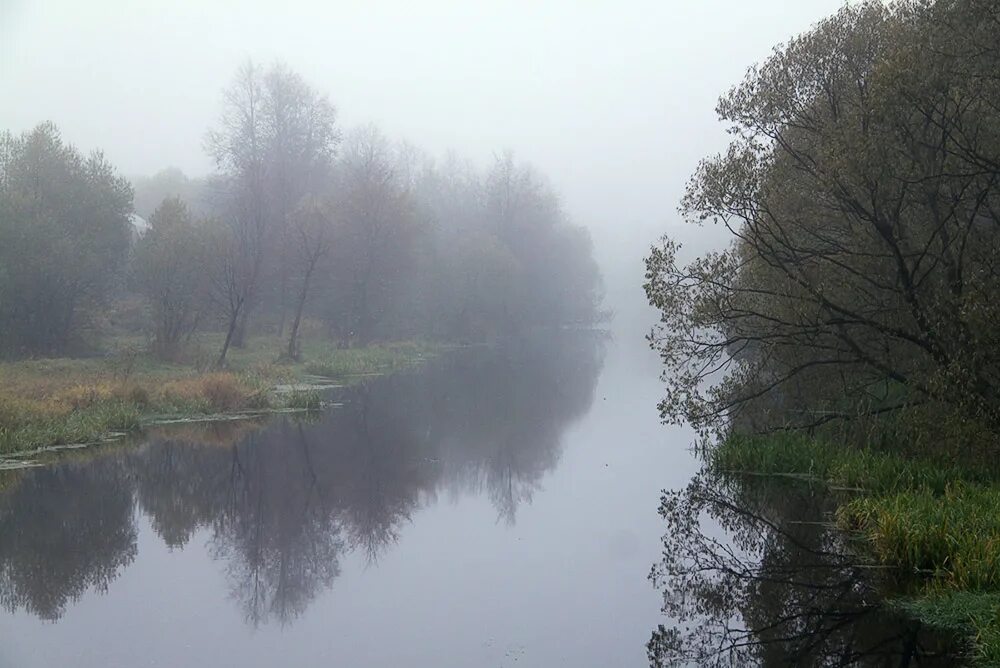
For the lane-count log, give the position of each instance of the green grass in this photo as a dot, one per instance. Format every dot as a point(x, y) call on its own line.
point(51, 402)
point(375, 359)
point(866, 469)
point(85, 425)
point(931, 519)
point(309, 400)
point(971, 612)
point(954, 536)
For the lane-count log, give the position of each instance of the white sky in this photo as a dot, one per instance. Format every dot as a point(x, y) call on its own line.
point(613, 100)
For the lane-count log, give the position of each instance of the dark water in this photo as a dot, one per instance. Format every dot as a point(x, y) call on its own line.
point(754, 573)
point(495, 508)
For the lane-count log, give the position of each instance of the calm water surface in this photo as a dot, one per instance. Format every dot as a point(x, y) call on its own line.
point(497, 507)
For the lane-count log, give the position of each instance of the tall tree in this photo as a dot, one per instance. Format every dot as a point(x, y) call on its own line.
point(239, 148)
point(376, 235)
point(274, 143)
point(302, 138)
point(861, 194)
point(64, 235)
point(313, 223)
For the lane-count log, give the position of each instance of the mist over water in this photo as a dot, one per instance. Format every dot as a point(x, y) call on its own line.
point(479, 510)
point(323, 333)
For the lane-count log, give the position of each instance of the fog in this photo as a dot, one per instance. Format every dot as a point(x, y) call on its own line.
point(495, 333)
point(613, 101)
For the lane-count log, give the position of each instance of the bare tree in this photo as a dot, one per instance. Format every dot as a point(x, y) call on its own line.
point(274, 143)
point(312, 224)
point(302, 141)
point(237, 253)
point(239, 148)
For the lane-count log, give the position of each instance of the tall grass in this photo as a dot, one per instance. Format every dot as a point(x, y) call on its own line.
point(973, 612)
point(304, 400)
point(866, 469)
point(926, 516)
point(85, 425)
point(60, 401)
point(954, 535)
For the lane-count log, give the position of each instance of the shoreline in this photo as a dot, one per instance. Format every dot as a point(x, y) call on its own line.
point(56, 404)
point(933, 522)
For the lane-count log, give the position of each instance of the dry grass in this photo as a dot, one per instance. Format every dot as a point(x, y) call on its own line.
point(59, 401)
point(219, 392)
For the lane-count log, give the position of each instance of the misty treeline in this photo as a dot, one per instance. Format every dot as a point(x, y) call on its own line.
point(302, 222)
point(860, 191)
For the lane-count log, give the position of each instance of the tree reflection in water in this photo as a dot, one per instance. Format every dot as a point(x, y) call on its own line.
point(64, 530)
point(754, 574)
point(283, 503)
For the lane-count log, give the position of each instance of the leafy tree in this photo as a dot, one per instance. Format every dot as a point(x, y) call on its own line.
point(861, 194)
point(376, 236)
point(64, 235)
point(500, 255)
point(168, 266)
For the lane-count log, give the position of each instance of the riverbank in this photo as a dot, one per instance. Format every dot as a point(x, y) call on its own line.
point(55, 402)
point(935, 522)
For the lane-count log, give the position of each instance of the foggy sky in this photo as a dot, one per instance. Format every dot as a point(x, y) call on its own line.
point(613, 100)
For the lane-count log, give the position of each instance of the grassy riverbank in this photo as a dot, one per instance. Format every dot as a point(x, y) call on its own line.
point(936, 521)
point(51, 402)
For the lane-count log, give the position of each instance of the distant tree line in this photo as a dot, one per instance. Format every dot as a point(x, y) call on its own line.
point(861, 194)
point(362, 238)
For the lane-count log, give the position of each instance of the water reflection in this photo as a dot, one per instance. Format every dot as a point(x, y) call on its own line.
point(64, 530)
point(753, 574)
point(284, 502)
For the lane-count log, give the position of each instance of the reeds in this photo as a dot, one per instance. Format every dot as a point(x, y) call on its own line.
point(928, 517)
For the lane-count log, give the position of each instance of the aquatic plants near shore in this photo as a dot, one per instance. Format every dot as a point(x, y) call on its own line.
point(933, 520)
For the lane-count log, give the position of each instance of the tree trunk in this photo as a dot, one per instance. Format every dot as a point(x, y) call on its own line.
point(283, 301)
point(239, 334)
point(230, 332)
point(293, 343)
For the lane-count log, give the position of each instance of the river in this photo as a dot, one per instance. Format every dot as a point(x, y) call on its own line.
point(496, 507)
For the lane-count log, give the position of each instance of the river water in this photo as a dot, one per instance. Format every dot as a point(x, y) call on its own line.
point(496, 507)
